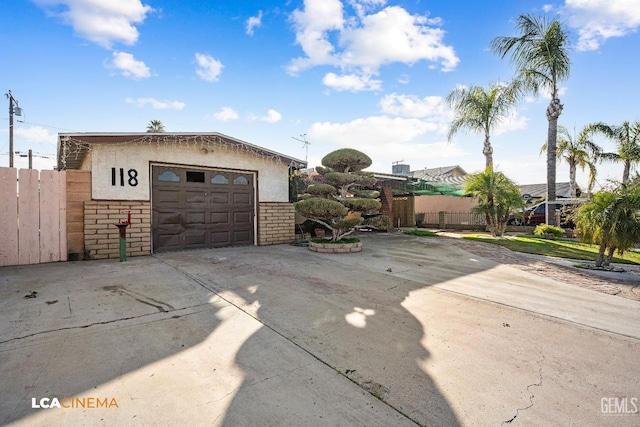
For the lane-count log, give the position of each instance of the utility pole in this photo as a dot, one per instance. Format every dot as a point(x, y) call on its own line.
point(18, 112)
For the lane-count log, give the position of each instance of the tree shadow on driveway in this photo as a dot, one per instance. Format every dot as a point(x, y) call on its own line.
point(345, 310)
point(160, 335)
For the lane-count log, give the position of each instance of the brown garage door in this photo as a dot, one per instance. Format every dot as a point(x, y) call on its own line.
point(196, 208)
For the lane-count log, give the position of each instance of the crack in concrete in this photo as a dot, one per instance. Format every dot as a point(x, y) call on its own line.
point(532, 396)
point(106, 322)
point(402, 282)
point(277, 375)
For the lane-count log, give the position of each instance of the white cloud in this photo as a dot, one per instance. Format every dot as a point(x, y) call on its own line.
point(312, 26)
point(598, 20)
point(102, 22)
point(371, 131)
point(254, 22)
point(511, 123)
point(209, 68)
point(412, 106)
point(362, 6)
point(404, 79)
point(351, 82)
point(129, 66)
point(36, 134)
point(272, 117)
point(547, 8)
point(394, 35)
point(387, 139)
point(430, 108)
point(362, 43)
point(155, 104)
point(225, 114)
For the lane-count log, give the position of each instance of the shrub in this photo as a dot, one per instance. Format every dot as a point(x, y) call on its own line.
point(321, 189)
point(366, 206)
point(379, 222)
point(548, 231)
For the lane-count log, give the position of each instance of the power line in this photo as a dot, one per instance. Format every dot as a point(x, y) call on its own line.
point(46, 126)
point(34, 154)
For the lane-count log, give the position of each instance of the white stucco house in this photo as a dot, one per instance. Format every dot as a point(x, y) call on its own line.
point(182, 190)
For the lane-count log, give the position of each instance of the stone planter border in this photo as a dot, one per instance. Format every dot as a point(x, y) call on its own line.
point(335, 248)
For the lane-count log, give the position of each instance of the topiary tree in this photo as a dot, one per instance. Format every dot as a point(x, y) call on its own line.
point(330, 202)
point(346, 160)
point(321, 190)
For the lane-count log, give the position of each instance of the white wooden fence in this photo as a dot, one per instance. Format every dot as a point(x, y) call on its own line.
point(33, 216)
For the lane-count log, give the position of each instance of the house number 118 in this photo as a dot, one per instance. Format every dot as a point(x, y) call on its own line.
point(132, 177)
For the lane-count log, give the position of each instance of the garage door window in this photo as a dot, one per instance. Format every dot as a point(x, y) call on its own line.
point(195, 176)
point(168, 176)
point(219, 179)
point(241, 180)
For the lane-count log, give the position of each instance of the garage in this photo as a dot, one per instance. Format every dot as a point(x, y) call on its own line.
point(193, 208)
point(176, 191)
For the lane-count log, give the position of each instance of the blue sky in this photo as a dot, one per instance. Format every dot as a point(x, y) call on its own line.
point(366, 74)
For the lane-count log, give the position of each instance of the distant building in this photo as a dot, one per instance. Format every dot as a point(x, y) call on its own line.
point(536, 192)
point(451, 174)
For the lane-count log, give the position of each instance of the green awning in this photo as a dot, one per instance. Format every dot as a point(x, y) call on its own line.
point(439, 191)
point(432, 188)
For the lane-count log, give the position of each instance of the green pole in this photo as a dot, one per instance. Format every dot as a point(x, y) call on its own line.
point(123, 241)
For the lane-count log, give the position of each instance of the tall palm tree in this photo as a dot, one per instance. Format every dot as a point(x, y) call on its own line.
point(155, 126)
point(480, 109)
point(497, 197)
point(541, 57)
point(627, 140)
point(578, 152)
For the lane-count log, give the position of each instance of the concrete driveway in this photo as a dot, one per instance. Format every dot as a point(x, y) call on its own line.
point(409, 331)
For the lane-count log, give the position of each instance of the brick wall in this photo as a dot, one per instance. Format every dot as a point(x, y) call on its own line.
point(276, 223)
point(386, 198)
point(78, 192)
point(101, 238)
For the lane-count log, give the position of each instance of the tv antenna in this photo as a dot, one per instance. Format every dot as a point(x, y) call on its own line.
point(305, 144)
point(397, 163)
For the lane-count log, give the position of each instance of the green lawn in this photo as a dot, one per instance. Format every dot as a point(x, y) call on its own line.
point(421, 233)
point(562, 248)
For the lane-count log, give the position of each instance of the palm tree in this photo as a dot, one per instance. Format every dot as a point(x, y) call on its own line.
point(480, 109)
point(497, 196)
point(592, 221)
point(612, 221)
point(540, 55)
point(155, 126)
point(578, 152)
point(627, 140)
